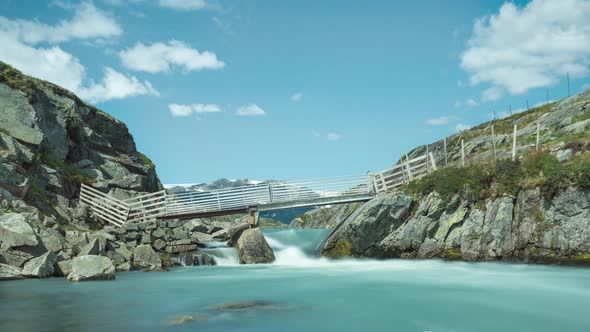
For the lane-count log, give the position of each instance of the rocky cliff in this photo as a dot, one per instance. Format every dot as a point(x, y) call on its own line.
point(527, 227)
point(51, 142)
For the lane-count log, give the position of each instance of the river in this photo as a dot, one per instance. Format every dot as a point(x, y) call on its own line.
point(300, 292)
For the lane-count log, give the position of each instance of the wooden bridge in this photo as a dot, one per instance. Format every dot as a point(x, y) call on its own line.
point(251, 199)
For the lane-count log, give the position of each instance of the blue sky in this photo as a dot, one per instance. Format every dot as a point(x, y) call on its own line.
point(297, 89)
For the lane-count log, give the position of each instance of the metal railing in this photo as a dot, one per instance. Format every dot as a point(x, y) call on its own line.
point(267, 195)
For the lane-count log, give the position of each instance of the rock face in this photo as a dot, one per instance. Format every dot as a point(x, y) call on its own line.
point(91, 267)
point(16, 231)
point(145, 257)
point(40, 267)
point(253, 248)
point(526, 228)
point(8, 272)
point(324, 217)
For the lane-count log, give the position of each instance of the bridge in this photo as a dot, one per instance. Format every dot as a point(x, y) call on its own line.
point(254, 198)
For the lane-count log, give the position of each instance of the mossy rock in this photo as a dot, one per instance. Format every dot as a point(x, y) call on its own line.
point(342, 248)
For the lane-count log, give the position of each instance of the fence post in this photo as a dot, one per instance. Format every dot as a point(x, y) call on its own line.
point(514, 143)
point(445, 144)
point(427, 154)
point(463, 151)
point(538, 132)
point(408, 168)
point(432, 161)
point(494, 143)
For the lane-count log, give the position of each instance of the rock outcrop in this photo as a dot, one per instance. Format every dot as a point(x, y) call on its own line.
point(8, 272)
point(324, 217)
point(253, 248)
point(40, 267)
point(527, 228)
point(91, 267)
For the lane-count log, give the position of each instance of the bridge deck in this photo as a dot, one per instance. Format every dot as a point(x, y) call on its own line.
point(272, 195)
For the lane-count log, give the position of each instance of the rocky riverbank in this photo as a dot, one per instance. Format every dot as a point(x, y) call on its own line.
point(527, 227)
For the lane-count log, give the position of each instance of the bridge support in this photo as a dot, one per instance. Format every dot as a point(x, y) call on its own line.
point(253, 215)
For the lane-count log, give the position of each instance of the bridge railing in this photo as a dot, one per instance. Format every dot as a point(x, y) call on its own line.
point(267, 193)
point(104, 206)
point(404, 172)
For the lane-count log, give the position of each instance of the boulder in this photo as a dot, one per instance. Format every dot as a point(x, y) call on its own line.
point(145, 257)
point(158, 233)
point(202, 258)
point(221, 234)
point(202, 237)
point(9, 272)
point(53, 240)
point(125, 267)
point(63, 268)
point(40, 267)
point(253, 248)
point(91, 267)
point(93, 248)
point(159, 244)
point(235, 232)
point(196, 225)
point(15, 231)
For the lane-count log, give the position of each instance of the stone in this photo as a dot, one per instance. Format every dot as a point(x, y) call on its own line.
point(91, 267)
point(146, 238)
point(235, 232)
point(18, 256)
point(93, 248)
point(158, 233)
point(40, 267)
point(180, 233)
point(125, 252)
point(430, 248)
point(159, 244)
point(125, 267)
point(53, 240)
point(175, 223)
point(15, 231)
point(147, 225)
point(174, 249)
point(221, 234)
point(471, 235)
point(9, 272)
point(196, 225)
point(202, 258)
point(564, 155)
point(116, 257)
point(202, 237)
point(63, 268)
point(145, 257)
point(497, 229)
point(253, 249)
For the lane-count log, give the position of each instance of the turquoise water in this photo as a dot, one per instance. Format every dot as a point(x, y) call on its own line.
point(302, 293)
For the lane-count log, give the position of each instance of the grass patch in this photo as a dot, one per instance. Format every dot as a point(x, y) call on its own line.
point(145, 160)
point(452, 180)
point(16, 80)
point(67, 169)
point(452, 254)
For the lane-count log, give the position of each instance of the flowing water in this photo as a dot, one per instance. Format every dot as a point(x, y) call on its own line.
point(302, 293)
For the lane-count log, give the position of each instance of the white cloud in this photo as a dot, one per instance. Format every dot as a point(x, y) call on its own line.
point(296, 97)
point(88, 22)
point(461, 127)
point(159, 57)
point(115, 85)
point(491, 94)
point(184, 5)
point(443, 120)
point(521, 48)
point(185, 110)
point(250, 110)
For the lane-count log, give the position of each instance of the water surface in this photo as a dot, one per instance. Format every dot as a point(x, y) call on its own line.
point(303, 293)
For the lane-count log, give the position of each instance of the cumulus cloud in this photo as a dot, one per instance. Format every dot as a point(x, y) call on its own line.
point(250, 110)
point(522, 48)
point(333, 136)
point(296, 97)
point(442, 120)
point(115, 85)
point(88, 22)
point(184, 5)
point(19, 39)
point(178, 110)
point(160, 57)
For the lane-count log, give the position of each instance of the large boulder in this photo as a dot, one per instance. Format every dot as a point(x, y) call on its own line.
point(8, 272)
point(40, 267)
point(53, 240)
point(92, 267)
point(235, 232)
point(145, 257)
point(63, 268)
point(16, 231)
point(253, 248)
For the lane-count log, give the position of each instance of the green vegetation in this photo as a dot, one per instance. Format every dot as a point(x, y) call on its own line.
point(16, 80)
point(68, 170)
point(342, 248)
point(580, 259)
point(145, 160)
point(35, 195)
point(538, 169)
point(452, 254)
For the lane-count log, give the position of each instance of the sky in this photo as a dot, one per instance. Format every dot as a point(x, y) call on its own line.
point(274, 89)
